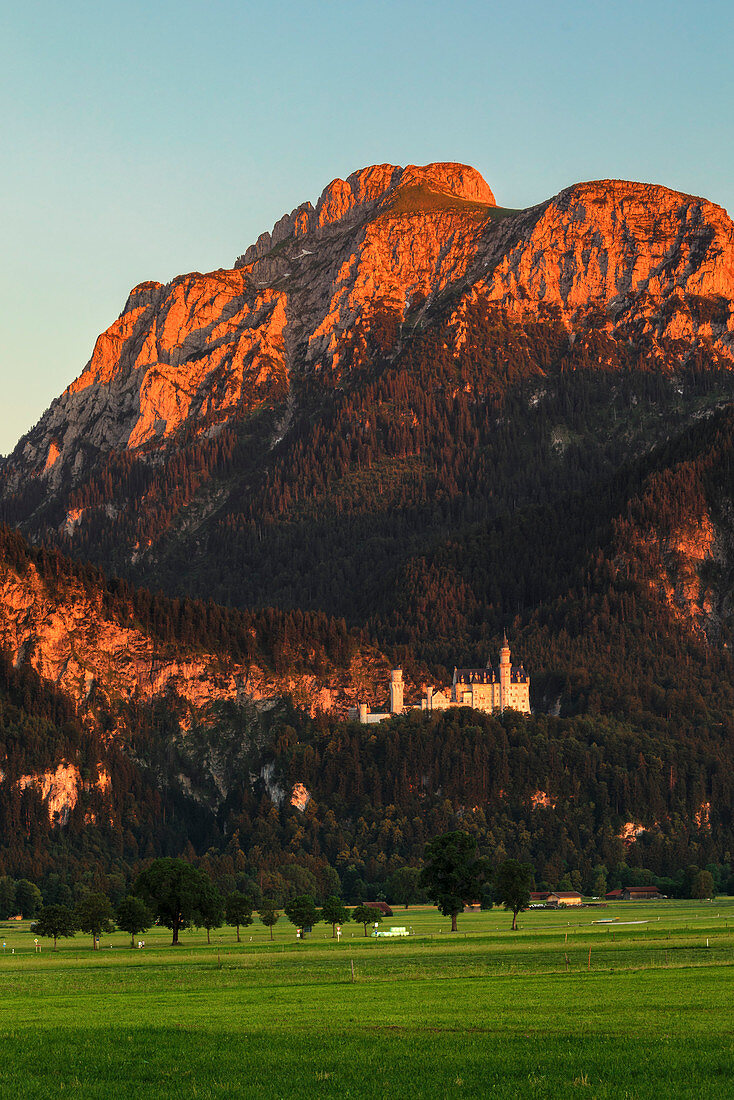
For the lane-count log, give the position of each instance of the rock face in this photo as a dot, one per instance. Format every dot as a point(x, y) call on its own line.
point(686, 562)
point(362, 191)
point(74, 644)
point(59, 789)
point(631, 251)
point(628, 258)
point(197, 351)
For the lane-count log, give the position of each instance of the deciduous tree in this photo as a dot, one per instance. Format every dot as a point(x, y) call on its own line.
point(703, 885)
point(334, 912)
point(301, 911)
point(512, 886)
point(133, 915)
point(28, 898)
point(172, 889)
point(55, 920)
point(7, 898)
point(453, 874)
point(365, 914)
point(210, 909)
point(238, 910)
point(269, 916)
point(94, 915)
point(405, 885)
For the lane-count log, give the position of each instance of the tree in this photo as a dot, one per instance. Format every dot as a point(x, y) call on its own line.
point(133, 915)
point(210, 909)
point(453, 874)
point(486, 901)
point(28, 898)
point(334, 912)
point(55, 920)
point(599, 887)
point(238, 910)
point(302, 912)
point(269, 916)
point(404, 885)
point(703, 885)
point(365, 914)
point(512, 886)
point(172, 889)
point(94, 915)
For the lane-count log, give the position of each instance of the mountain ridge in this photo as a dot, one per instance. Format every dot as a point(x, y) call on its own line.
point(205, 348)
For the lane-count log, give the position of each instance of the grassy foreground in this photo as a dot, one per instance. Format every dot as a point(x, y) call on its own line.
point(486, 1012)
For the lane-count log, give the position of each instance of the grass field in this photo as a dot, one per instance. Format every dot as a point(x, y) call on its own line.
point(486, 1012)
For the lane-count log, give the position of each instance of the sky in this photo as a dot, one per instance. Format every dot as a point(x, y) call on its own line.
point(144, 140)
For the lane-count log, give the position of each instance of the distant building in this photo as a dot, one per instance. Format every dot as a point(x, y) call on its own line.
point(491, 690)
point(564, 897)
point(368, 717)
point(641, 893)
point(380, 906)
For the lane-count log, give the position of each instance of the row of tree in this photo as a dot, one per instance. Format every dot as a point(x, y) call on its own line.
point(456, 875)
point(173, 893)
point(169, 892)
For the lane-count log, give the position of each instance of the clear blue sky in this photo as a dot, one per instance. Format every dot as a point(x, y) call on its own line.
point(143, 140)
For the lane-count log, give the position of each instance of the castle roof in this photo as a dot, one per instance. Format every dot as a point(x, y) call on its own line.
point(475, 676)
point(518, 675)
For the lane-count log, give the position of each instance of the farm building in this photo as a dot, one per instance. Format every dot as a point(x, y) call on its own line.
point(381, 906)
point(641, 893)
point(634, 893)
point(564, 897)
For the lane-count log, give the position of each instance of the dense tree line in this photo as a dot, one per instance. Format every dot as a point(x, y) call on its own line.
point(556, 792)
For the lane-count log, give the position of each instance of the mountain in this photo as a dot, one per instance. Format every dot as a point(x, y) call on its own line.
point(403, 422)
point(204, 380)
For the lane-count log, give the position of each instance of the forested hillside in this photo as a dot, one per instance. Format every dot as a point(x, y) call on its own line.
point(575, 797)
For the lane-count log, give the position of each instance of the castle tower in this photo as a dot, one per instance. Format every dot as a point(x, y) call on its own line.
point(396, 691)
point(505, 670)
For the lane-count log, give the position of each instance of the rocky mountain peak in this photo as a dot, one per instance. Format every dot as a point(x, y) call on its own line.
point(369, 186)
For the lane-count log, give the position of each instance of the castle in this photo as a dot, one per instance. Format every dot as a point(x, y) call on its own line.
point(487, 689)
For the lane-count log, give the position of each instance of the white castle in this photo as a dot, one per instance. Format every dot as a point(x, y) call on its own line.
point(487, 689)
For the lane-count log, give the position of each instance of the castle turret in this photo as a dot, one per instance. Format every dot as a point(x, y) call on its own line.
point(396, 691)
point(505, 672)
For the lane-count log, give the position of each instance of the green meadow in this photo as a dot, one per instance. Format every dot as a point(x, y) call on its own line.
point(563, 1006)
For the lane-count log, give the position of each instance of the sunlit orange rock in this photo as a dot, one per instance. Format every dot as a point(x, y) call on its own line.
point(73, 642)
point(300, 797)
point(59, 789)
point(631, 259)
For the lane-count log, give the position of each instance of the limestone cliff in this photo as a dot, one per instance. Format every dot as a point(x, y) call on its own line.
point(100, 663)
point(686, 561)
point(632, 259)
point(635, 258)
